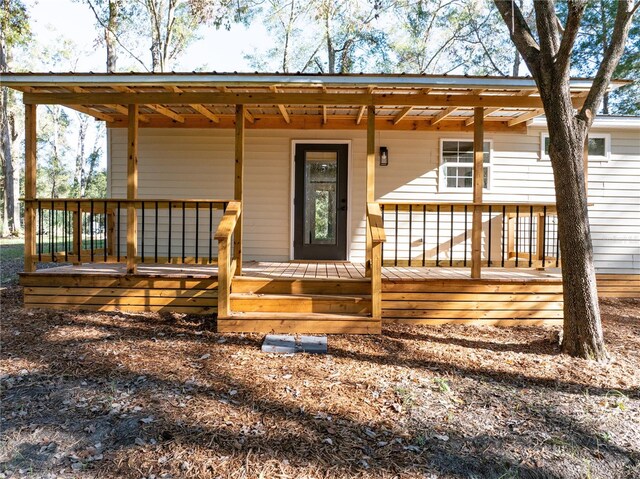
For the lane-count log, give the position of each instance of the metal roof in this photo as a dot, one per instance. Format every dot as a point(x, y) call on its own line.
point(319, 79)
point(274, 100)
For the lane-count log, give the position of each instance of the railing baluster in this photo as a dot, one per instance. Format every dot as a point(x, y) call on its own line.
point(504, 221)
point(64, 232)
point(210, 233)
point(489, 239)
point(79, 209)
point(438, 235)
point(197, 224)
point(557, 242)
point(451, 240)
point(51, 230)
point(530, 236)
point(169, 245)
point(517, 234)
point(424, 233)
point(155, 235)
point(395, 260)
point(40, 231)
point(382, 244)
point(142, 231)
point(544, 236)
point(104, 231)
point(465, 235)
point(118, 233)
point(410, 230)
point(91, 217)
point(183, 230)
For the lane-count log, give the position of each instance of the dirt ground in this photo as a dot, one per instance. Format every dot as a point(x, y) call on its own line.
point(150, 396)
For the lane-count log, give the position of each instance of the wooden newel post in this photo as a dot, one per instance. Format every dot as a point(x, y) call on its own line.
point(478, 184)
point(239, 185)
point(30, 141)
point(371, 181)
point(132, 189)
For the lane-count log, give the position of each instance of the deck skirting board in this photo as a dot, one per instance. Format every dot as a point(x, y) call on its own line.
point(132, 293)
point(507, 302)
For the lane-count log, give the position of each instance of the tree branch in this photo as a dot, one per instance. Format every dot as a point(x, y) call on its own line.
point(520, 33)
point(115, 35)
point(610, 60)
point(574, 17)
point(548, 31)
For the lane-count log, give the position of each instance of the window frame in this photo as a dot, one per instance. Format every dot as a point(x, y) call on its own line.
point(442, 178)
point(607, 146)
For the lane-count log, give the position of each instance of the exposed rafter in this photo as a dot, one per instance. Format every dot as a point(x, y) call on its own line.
point(363, 108)
point(155, 107)
point(91, 112)
point(281, 107)
point(119, 108)
point(203, 110)
point(405, 111)
point(487, 112)
point(443, 114)
point(525, 116)
point(247, 115)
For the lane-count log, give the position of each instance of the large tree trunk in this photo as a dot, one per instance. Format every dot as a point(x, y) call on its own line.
point(582, 327)
point(10, 219)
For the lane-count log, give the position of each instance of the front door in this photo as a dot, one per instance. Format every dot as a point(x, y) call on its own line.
point(320, 204)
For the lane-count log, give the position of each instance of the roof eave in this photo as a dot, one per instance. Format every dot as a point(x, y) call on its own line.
point(239, 79)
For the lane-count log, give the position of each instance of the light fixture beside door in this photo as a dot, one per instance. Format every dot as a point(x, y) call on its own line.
point(384, 156)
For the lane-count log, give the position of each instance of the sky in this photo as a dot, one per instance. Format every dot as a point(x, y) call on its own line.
point(73, 20)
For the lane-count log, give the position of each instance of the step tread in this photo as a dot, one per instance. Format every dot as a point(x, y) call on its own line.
point(302, 296)
point(310, 280)
point(300, 316)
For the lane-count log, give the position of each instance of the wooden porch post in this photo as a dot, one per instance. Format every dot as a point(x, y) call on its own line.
point(371, 180)
point(132, 189)
point(30, 142)
point(239, 185)
point(478, 183)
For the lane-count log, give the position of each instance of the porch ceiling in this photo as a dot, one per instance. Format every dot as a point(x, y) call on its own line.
point(292, 101)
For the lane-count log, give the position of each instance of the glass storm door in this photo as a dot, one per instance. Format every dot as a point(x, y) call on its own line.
point(320, 229)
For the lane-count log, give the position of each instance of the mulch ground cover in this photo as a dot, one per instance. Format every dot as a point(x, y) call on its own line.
point(164, 396)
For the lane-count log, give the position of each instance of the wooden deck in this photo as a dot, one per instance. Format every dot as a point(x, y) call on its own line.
point(304, 270)
point(315, 297)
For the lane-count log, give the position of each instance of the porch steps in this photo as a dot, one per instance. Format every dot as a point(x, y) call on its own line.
point(300, 305)
point(321, 323)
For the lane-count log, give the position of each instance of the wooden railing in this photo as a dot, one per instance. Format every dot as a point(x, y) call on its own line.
point(97, 231)
point(440, 234)
point(227, 267)
point(378, 237)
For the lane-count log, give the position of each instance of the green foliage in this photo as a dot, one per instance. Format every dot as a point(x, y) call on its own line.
point(595, 34)
point(324, 35)
point(14, 23)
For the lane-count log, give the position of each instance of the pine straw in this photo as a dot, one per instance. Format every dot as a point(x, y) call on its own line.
point(145, 395)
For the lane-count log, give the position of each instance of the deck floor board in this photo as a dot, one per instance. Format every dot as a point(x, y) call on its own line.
point(308, 270)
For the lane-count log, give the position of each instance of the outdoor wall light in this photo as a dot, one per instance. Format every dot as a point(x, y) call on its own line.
point(384, 156)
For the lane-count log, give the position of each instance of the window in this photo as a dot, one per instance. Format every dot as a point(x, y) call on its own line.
point(456, 164)
point(599, 146)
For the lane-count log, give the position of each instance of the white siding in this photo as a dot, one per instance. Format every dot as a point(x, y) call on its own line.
point(194, 163)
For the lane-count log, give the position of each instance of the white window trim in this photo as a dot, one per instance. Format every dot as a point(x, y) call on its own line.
point(442, 184)
point(607, 146)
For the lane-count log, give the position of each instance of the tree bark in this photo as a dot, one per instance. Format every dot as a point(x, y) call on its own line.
point(110, 35)
point(582, 326)
point(10, 218)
